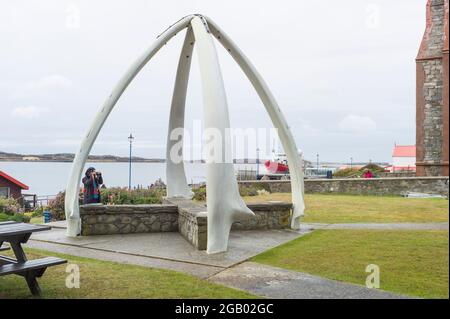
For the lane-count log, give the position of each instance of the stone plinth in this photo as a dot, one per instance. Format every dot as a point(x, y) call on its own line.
point(193, 222)
point(193, 226)
point(97, 219)
point(185, 216)
point(268, 215)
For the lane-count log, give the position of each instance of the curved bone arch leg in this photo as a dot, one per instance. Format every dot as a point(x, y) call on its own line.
point(73, 185)
point(223, 200)
point(175, 174)
point(272, 108)
point(224, 203)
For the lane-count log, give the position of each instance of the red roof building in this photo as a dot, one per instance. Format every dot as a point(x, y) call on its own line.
point(10, 187)
point(403, 158)
point(404, 151)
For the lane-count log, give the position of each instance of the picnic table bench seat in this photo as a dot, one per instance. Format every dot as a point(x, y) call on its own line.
point(37, 265)
point(30, 269)
point(8, 222)
point(17, 234)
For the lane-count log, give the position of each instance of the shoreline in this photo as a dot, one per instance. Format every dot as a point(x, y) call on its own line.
point(115, 161)
point(88, 161)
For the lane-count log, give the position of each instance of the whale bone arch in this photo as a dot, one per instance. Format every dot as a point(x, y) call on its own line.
point(223, 207)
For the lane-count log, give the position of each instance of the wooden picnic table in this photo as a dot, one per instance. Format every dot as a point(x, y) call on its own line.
point(17, 234)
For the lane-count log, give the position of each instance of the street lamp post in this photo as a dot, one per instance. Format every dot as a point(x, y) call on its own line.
point(257, 163)
point(130, 139)
point(317, 164)
point(351, 163)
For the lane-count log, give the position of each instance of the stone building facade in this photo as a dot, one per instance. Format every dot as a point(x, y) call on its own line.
point(432, 109)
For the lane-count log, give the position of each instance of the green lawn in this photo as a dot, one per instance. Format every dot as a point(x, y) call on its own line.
point(411, 262)
point(355, 209)
point(37, 220)
point(102, 279)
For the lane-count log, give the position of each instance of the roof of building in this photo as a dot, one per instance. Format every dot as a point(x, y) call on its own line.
point(404, 151)
point(13, 180)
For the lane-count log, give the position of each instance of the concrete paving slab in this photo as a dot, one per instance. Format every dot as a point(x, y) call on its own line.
point(311, 226)
point(200, 271)
point(242, 245)
point(172, 246)
point(57, 224)
point(58, 235)
point(279, 283)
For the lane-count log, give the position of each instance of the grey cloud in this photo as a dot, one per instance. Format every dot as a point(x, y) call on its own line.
point(319, 58)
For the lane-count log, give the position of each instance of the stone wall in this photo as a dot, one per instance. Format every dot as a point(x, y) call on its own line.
point(396, 174)
point(185, 216)
point(193, 226)
point(193, 223)
point(97, 219)
point(268, 215)
point(359, 186)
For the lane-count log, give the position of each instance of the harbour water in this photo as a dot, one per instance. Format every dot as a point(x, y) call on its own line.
point(48, 178)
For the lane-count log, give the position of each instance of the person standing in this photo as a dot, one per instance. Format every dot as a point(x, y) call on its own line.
point(367, 174)
point(92, 182)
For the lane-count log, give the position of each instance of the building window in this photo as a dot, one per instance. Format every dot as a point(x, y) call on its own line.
point(4, 192)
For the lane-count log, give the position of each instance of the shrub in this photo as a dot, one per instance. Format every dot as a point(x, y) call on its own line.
point(38, 212)
point(10, 210)
point(199, 193)
point(17, 217)
point(353, 172)
point(262, 186)
point(373, 168)
point(254, 190)
point(56, 206)
point(9, 206)
point(110, 196)
point(119, 196)
point(347, 172)
point(248, 191)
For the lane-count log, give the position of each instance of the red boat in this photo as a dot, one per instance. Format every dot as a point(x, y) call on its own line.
point(278, 166)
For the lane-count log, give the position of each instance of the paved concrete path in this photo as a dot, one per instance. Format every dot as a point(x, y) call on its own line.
point(201, 271)
point(381, 226)
point(280, 283)
point(168, 250)
point(171, 251)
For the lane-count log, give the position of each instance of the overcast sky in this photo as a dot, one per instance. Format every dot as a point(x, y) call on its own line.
point(343, 72)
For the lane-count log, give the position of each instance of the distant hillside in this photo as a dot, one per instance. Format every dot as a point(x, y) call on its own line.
point(68, 157)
